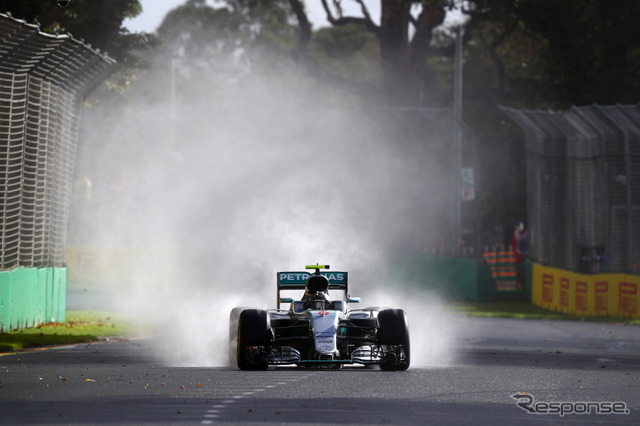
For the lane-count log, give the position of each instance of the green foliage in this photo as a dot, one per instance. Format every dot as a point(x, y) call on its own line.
point(549, 53)
point(269, 22)
point(196, 29)
point(98, 23)
point(343, 42)
point(231, 35)
point(349, 51)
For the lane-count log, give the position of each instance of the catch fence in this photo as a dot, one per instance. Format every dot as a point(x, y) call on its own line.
point(583, 187)
point(456, 212)
point(43, 80)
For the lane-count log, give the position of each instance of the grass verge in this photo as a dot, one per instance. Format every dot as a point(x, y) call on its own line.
point(527, 310)
point(79, 327)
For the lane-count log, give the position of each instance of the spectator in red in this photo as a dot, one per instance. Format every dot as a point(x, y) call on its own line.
point(519, 243)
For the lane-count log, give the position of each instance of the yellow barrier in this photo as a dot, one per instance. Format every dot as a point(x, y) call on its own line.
point(614, 295)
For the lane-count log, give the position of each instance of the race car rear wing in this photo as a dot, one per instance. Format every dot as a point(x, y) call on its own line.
point(296, 281)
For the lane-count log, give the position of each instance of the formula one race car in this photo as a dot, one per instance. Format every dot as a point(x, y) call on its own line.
point(317, 331)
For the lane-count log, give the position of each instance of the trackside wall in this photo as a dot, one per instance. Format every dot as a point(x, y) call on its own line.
point(32, 296)
point(616, 295)
point(452, 278)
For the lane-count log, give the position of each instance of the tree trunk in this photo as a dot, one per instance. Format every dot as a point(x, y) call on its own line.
point(399, 84)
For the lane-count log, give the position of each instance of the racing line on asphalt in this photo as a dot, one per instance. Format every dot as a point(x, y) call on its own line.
point(216, 410)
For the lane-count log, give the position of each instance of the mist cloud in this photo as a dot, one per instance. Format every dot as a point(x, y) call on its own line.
point(228, 183)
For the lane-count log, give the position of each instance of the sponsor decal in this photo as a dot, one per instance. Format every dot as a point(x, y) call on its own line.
point(564, 291)
point(528, 403)
point(294, 276)
point(628, 300)
point(323, 313)
point(337, 277)
point(285, 278)
point(602, 296)
point(581, 296)
point(547, 288)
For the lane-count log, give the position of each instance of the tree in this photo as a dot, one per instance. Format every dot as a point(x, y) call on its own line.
point(98, 23)
point(225, 44)
point(239, 25)
point(270, 22)
point(198, 31)
point(547, 53)
point(350, 52)
point(229, 41)
point(405, 35)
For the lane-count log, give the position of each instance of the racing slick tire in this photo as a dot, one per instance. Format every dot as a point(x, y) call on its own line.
point(234, 317)
point(393, 330)
point(254, 329)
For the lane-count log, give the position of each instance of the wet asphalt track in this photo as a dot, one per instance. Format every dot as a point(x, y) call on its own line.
point(121, 382)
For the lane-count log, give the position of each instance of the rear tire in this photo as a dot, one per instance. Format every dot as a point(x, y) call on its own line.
point(254, 329)
point(393, 330)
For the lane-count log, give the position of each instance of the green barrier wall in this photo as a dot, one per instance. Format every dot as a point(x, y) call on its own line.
point(30, 296)
point(451, 278)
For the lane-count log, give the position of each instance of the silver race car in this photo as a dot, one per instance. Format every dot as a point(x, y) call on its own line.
point(317, 331)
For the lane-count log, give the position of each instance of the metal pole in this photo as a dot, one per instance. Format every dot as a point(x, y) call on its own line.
point(457, 137)
point(172, 90)
point(627, 167)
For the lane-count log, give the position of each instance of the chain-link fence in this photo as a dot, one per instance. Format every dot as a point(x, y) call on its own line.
point(43, 79)
point(454, 229)
point(583, 187)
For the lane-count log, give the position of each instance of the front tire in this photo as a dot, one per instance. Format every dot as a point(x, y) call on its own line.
point(393, 331)
point(234, 317)
point(254, 330)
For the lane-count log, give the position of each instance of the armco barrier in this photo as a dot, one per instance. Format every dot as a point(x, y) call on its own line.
point(30, 296)
point(451, 278)
point(616, 295)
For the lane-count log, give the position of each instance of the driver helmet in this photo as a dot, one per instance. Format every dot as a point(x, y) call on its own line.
point(318, 302)
point(316, 296)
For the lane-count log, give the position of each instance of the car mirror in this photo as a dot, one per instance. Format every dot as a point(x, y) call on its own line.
point(354, 299)
point(286, 300)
